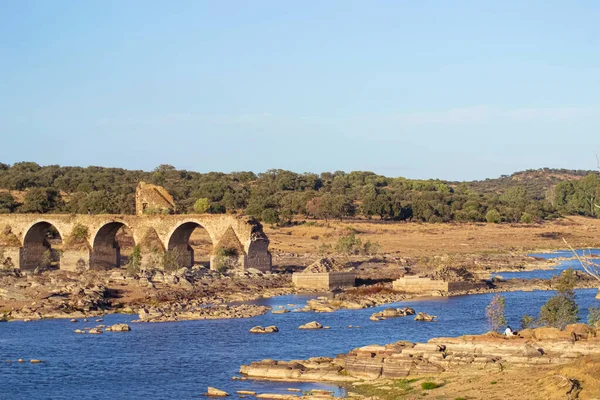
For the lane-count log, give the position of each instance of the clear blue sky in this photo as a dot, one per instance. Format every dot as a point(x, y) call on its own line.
point(456, 90)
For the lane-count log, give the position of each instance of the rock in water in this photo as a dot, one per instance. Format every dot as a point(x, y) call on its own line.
point(214, 392)
point(119, 328)
point(268, 329)
point(311, 325)
point(425, 317)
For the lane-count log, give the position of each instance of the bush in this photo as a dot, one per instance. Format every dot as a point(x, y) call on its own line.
point(493, 216)
point(429, 385)
point(527, 322)
point(561, 310)
point(495, 312)
point(270, 216)
point(594, 317)
point(226, 258)
point(349, 244)
point(171, 260)
point(135, 261)
point(201, 206)
point(527, 218)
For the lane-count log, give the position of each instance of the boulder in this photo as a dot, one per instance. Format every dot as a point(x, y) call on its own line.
point(260, 329)
point(581, 331)
point(311, 325)
point(95, 331)
point(527, 333)
point(214, 392)
point(530, 350)
point(425, 317)
point(119, 328)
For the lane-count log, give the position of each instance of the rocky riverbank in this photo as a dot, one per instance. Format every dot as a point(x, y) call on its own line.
point(443, 359)
point(158, 296)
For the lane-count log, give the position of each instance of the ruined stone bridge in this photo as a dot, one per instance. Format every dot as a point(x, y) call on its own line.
point(89, 241)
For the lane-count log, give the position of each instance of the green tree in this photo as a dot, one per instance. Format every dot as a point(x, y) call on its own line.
point(7, 203)
point(201, 205)
point(41, 200)
point(561, 309)
point(270, 216)
point(493, 216)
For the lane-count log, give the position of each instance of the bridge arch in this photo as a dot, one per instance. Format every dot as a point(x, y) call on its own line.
point(106, 250)
point(37, 249)
point(178, 243)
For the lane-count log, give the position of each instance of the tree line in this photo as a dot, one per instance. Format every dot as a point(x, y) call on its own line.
point(277, 196)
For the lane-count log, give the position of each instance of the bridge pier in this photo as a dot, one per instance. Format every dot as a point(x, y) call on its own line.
point(75, 260)
point(10, 257)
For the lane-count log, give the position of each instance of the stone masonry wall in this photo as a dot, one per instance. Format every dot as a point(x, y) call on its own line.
point(249, 233)
point(323, 280)
point(414, 284)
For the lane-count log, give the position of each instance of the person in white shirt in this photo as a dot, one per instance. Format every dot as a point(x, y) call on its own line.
point(509, 332)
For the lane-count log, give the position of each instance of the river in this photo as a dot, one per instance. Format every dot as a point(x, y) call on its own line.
point(179, 360)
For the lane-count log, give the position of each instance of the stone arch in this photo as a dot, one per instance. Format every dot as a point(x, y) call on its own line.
point(178, 242)
point(35, 245)
point(106, 251)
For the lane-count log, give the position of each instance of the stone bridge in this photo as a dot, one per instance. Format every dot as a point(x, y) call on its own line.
point(89, 240)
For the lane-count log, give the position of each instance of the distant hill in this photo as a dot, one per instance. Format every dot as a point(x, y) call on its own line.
point(536, 181)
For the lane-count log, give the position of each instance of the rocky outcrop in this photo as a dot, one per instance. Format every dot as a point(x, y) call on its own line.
point(326, 264)
point(161, 314)
point(397, 360)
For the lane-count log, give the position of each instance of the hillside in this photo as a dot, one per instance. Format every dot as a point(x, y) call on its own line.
point(280, 196)
point(537, 182)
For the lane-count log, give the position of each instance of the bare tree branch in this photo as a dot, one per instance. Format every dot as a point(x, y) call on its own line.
point(591, 268)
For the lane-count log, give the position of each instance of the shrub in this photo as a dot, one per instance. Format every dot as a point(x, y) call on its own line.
point(171, 260)
point(527, 322)
point(495, 312)
point(527, 218)
point(493, 216)
point(324, 249)
point(429, 385)
point(78, 237)
point(225, 258)
point(370, 248)
point(135, 261)
point(270, 216)
point(594, 317)
point(561, 310)
point(202, 205)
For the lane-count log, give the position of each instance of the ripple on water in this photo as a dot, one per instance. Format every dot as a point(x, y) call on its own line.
point(179, 360)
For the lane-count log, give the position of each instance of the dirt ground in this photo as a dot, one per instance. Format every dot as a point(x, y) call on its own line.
point(416, 239)
point(579, 380)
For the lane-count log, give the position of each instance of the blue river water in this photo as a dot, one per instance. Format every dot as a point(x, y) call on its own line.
point(550, 273)
point(179, 360)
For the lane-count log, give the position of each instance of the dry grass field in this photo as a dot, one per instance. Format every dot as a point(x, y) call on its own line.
point(416, 239)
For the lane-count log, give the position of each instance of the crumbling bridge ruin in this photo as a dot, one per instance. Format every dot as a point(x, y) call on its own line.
point(89, 240)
